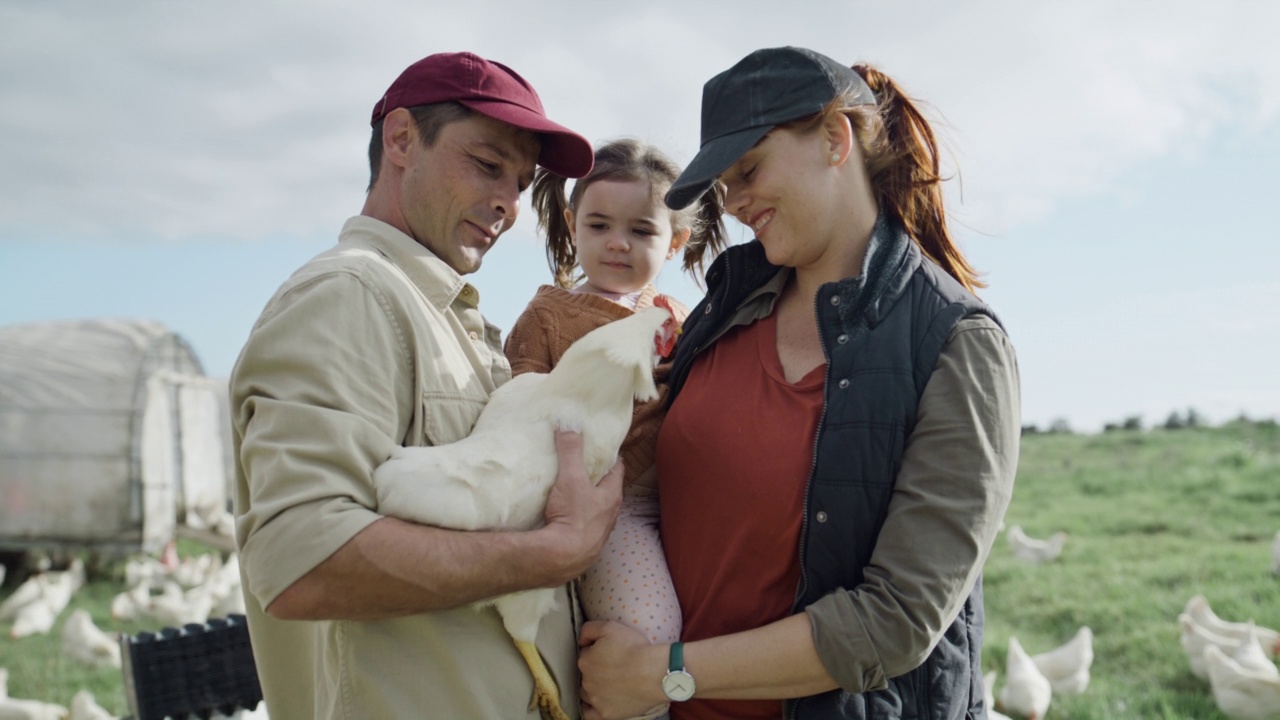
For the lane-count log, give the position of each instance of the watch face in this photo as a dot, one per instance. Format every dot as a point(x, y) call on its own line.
point(678, 685)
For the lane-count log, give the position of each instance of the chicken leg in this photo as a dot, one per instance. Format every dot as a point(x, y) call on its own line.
point(546, 696)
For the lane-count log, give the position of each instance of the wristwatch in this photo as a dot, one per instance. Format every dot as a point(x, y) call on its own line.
point(678, 684)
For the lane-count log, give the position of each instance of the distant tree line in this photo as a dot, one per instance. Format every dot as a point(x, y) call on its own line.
point(1176, 420)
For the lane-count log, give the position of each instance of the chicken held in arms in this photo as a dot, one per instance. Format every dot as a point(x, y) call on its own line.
point(499, 476)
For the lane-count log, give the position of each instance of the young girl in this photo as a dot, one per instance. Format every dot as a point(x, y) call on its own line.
point(615, 229)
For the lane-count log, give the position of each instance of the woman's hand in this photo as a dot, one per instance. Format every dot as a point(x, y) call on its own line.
point(621, 672)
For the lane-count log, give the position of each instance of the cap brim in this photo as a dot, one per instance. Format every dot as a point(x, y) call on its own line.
point(564, 152)
point(713, 158)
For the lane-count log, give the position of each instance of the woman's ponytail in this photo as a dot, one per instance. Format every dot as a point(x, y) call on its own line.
point(707, 236)
point(905, 177)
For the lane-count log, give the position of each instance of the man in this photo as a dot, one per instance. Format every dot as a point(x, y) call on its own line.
point(376, 343)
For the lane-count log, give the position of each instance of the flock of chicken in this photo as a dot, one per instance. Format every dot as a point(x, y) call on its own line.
point(1032, 680)
point(169, 593)
point(1236, 658)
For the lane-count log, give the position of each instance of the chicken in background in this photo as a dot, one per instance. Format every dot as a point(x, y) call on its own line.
point(1250, 655)
point(1196, 638)
point(1033, 549)
point(1200, 611)
point(44, 597)
point(1275, 555)
point(1067, 666)
point(1026, 690)
point(131, 603)
point(500, 475)
point(988, 697)
point(85, 707)
point(1242, 693)
point(87, 643)
point(35, 586)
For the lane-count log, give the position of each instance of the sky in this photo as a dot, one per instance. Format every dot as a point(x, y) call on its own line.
point(1112, 163)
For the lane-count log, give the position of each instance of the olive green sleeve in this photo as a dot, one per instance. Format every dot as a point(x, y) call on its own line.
point(948, 502)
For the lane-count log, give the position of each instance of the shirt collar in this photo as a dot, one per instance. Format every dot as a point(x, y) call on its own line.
point(441, 284)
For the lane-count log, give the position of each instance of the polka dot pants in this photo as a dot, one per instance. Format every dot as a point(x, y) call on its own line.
point(630, 582)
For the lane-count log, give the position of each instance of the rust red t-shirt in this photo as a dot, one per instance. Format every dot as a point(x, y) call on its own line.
point(734, 454)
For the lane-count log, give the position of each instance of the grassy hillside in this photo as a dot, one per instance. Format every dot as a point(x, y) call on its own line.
point(1154, 517)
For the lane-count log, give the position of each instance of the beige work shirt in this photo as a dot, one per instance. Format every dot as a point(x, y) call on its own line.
point(373, 344)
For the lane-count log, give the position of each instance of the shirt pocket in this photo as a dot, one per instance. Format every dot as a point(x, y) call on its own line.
point(448, 417)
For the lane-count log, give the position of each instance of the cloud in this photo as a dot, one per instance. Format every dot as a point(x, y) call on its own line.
point(246, 120)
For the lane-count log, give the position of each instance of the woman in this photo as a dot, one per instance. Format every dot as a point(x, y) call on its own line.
point(843, 435)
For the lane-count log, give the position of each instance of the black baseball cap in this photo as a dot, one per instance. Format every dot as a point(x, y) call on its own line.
point(742, 104)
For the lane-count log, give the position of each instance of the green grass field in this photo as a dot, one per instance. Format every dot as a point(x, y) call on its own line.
point(1154, 517)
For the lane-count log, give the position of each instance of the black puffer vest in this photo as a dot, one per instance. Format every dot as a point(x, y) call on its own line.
point(882, 335)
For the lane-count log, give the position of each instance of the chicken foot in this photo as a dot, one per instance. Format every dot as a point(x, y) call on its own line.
point(546, 696)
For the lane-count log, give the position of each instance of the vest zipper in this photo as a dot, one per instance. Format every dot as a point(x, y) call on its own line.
point(803, 585)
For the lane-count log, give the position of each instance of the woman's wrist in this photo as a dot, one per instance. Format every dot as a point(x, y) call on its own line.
point(655, 660)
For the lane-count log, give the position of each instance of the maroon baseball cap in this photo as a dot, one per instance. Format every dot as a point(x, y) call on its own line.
point(494, 90)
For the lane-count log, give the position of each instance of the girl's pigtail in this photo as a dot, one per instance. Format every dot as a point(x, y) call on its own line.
point(549, 202)
point(707, 237)
point(908, 181)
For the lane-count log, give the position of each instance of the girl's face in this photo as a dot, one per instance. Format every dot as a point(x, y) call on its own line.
point(623, 235)
point(783, 189)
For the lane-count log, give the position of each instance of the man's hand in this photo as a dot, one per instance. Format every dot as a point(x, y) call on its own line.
point(580, 515)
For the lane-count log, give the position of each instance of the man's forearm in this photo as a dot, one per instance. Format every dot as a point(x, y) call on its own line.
point(394, 568)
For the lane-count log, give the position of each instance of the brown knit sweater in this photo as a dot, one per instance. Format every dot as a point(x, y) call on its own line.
point(553, 320)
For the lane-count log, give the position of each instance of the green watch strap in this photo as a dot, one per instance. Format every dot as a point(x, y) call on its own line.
point(676, 661)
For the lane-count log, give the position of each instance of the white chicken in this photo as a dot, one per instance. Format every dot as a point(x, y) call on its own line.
point(146, 570)
point(1242, 693)
point(1067, 666)
point(1196, 639)
point(85, 707)
point(1032, 549)
point(131, 603)
point(1250, 655)
point(988, 697)
point(198, 570)
point(29, 590)
point(175, 608)
point(85, 642)
point(224, 587)
point(1026, 690)
point(500, 475)
point(46, 600)
point(1199, 610)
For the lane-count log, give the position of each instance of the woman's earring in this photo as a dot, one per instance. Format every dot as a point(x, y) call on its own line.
point(835, 158)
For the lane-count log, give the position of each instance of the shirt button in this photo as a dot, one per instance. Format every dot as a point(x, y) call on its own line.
point(842, 339)
point(822, 517)
point(844, 383)
point(474, 335)
point(706, 310)
point(835, 299)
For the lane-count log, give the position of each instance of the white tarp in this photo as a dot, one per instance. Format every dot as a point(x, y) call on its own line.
point(103, 423)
